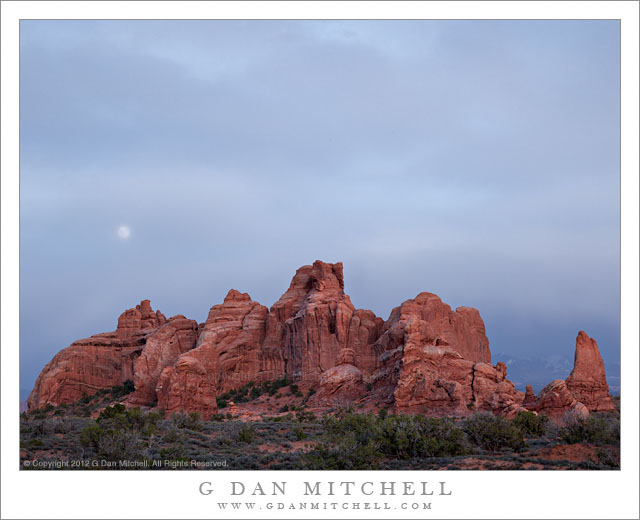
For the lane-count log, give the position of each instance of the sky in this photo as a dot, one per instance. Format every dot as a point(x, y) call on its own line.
point(175, 160)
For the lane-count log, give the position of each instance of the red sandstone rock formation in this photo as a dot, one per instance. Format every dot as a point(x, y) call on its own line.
point(585, 389)
point(436, 361)
point(556, 400)
point(226, 356)
point(101, 361)
point(433, 322)
point(425, 358)
point(341, 384)
point(433, 380)
point(135, 322)
point(161, 350)
point(313, 321)
point(187, 386)
point(588, 381)
point(529, 398)
point(493, 391)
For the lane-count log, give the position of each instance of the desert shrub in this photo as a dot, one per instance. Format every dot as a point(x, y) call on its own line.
point(120, 391)
point(407, 436)
point(285, 408)
point(382, 413)
point(299, 433)
point(349, 453)
point(246, 433)
point(113, 445)
point(63, 425)
point(172, 434)
point(309, 394)
point(531, 424)
point(305, 416)
point(174, 451)
point(190, 421)
point(363, 441)
point(40, 427)
point(609, 456)
point(119, 434)
point(493, 433)
point(35, 443)
point(599, 430)
point(253, 390)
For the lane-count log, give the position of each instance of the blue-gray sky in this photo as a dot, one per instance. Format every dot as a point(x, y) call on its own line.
point(475, 159)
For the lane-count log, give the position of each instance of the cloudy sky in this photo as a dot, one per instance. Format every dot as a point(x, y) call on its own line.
point(174, 160)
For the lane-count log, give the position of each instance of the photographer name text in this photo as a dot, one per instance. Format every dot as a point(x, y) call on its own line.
point(329, 488)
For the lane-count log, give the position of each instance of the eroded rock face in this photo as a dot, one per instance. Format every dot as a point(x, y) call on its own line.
point(313, 321)
point(492, 390)
point(426, 358)
point(439, 381)
point(79, 370)
point(101, 361)
point(585, 389)
point(187, 386)
point(588, 381)
point(554, 399)
point(341, 384)
point(433, 380)
point(426, 320)
point(162, 348)
point(227, 355)
point(137, 321)
point(529, 398)
point(437, 360)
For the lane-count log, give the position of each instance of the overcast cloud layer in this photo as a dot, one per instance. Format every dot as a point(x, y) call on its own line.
point(476, 160)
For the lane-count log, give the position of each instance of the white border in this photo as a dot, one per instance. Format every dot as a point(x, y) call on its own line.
point(175, 495)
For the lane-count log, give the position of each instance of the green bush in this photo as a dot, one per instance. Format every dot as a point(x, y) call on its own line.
point(309, 394)
point(174, 452)
point(191, 421)
point(246, 433)
point(407, 436)
point(599, 430)
point(493, 433)
point(120, 391)
point(305, 416)
point(531, 424)
point(363, 441)
point(120, 434)
point(253, 390)
point(173, 434)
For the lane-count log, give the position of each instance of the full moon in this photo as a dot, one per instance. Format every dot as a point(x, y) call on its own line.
point(124, 232)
